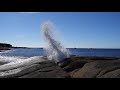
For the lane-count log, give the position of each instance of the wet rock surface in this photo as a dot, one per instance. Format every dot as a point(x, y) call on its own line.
point(46, 69)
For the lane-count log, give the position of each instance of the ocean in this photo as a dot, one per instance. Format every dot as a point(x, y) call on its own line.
point(31, 52)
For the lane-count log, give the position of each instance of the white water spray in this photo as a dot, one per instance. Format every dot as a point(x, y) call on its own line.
point(54, 49)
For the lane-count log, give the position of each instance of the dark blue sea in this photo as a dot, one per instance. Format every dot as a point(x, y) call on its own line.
point(30, 52)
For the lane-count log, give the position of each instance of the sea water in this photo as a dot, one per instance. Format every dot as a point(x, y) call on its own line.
point(31, 52)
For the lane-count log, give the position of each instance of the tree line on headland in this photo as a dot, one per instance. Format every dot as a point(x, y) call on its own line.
point(5, 46)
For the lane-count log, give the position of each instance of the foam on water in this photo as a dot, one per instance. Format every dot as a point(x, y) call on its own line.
point(21, 62)
point(7, 59)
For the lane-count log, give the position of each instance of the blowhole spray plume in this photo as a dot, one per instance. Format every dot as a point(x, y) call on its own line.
point(54, 49)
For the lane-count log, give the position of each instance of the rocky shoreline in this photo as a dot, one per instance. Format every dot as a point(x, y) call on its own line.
point(93, 67)
point(73, 67)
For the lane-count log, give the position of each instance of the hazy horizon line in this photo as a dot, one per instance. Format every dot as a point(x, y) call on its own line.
point(72, 47)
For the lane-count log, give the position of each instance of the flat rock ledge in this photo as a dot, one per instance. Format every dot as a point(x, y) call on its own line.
point(73, 67)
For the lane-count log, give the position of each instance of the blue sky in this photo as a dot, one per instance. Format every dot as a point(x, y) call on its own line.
point(76, 29)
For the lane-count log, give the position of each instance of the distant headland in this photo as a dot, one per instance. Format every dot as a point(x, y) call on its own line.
point(5, 46)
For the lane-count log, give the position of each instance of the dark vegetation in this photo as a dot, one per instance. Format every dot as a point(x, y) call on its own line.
point(5, 46)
